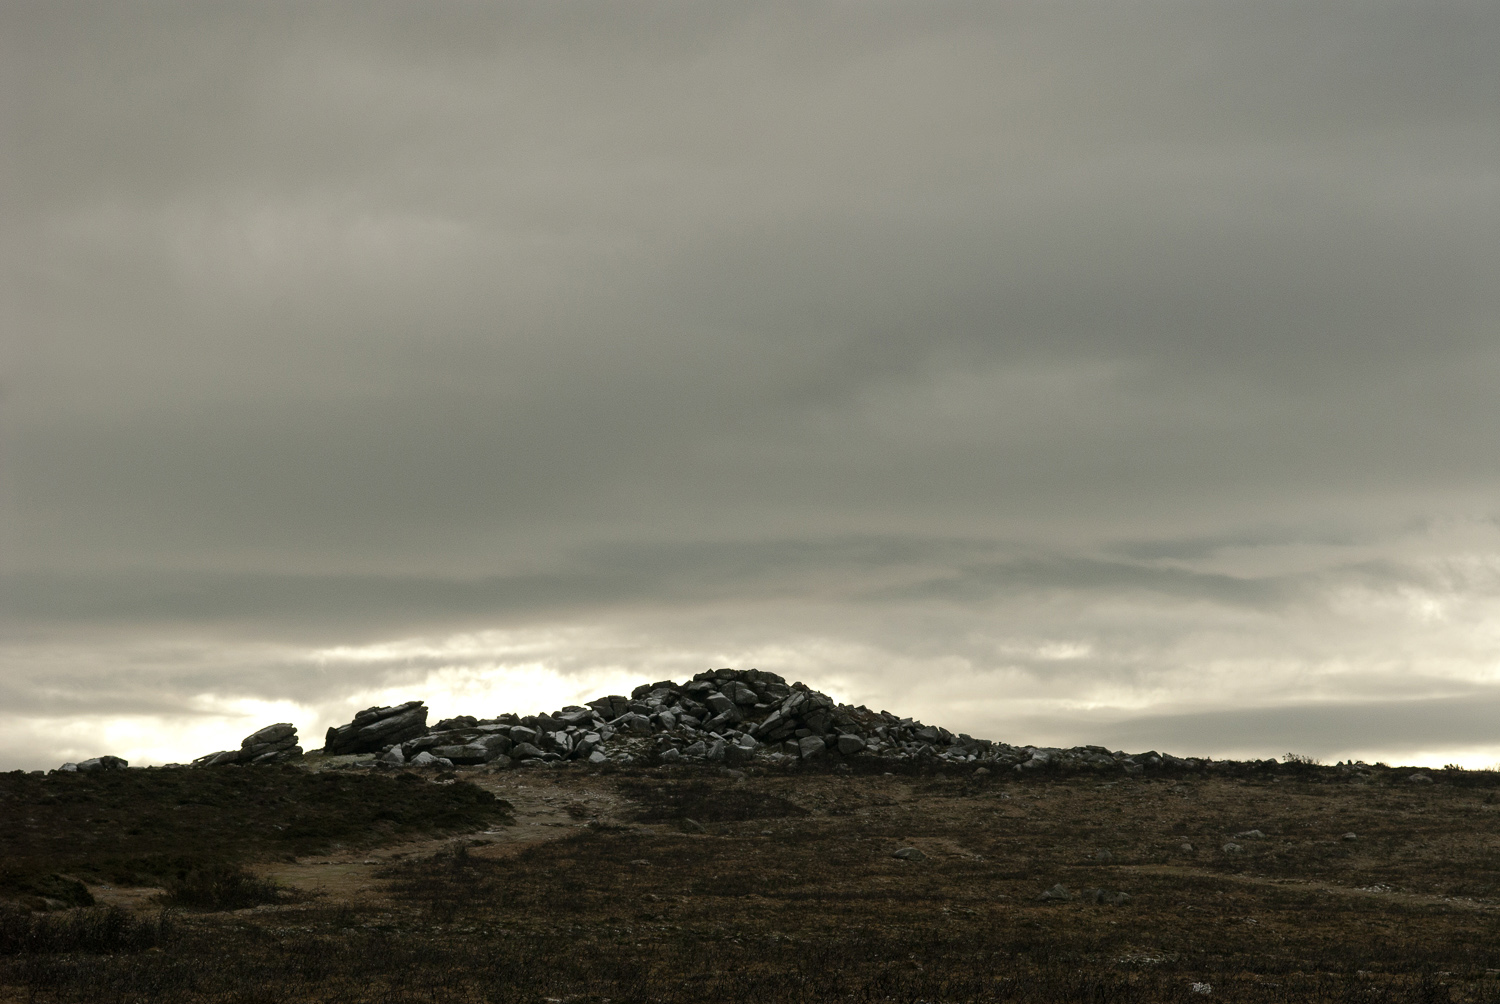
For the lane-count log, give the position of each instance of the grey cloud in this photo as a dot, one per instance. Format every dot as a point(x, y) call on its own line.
point(895, 323)
point(858, 572)
point(1326, 731)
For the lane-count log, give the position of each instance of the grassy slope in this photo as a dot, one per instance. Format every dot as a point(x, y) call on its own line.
point(140, 827)
point(778, 904)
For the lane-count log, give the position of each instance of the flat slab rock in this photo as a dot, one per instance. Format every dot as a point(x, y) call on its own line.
point(271, 744)
point(376, 729)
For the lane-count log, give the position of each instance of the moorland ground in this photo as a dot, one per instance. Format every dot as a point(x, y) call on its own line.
point(690, 884)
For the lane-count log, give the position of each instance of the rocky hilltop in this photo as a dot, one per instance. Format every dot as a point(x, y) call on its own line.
point(722, 716)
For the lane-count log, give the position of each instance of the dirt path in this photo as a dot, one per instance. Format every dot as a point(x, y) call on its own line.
point(548, 806)
point(1390, 895)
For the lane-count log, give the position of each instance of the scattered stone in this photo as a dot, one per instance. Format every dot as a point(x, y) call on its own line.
point(460, 722)
point(1105, 897)
point(468, 753)
point(1103, 856)
point(740, 694)
point(1350, 836)
point(1250, 835)
point(102, 763)
point(1185, 847)
point(576, 716)
point(849, 745)
point(1036, 761)
point(1232, 848)
point(92, 764)
point(1057, 894)
point(909, 854)
point(811, 746)
point(633, 722)
point(1418, 778)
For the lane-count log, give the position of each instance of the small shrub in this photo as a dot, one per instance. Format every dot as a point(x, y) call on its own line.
point(44, 891)
point(99, 930)
point(222, 887)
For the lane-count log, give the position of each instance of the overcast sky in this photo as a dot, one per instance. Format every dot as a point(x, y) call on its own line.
point(1097, 372)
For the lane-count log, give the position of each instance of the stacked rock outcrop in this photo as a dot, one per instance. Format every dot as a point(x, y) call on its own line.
point(272, 744)
point(376, 729)
point(729, 716)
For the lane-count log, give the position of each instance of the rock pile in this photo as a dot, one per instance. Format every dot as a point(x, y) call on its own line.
point(272, 744)
point(376, 729)
point(727, 717)
point(95, 763)
point(720, 716)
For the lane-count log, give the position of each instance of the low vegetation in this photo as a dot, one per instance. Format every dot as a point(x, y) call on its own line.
point(1306, 884)
point(159, 826)
point(222, 886)
point(91, 930)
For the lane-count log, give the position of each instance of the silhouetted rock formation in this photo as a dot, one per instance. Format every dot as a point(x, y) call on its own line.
point(721, 716)
point(376, 729)
point(272, 744)
point(95, 763)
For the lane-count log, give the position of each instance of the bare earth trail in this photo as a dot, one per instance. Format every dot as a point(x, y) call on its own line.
point(548, 806)
point(1312, 885)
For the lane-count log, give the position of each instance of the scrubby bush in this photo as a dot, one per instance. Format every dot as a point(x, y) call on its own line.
point(221, 887)
point(94, 929)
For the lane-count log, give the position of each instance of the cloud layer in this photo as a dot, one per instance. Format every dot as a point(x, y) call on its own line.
point(1049, 368)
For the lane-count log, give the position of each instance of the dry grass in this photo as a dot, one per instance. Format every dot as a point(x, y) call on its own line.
point(792, 895)
point(145, 827)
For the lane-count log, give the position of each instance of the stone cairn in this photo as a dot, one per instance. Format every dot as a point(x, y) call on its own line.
point(721, 716)
point(272, 744)
point(724, 716)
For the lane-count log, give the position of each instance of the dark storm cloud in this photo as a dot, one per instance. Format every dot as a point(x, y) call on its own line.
point(894, 325)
